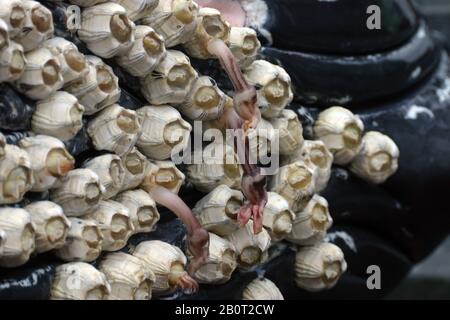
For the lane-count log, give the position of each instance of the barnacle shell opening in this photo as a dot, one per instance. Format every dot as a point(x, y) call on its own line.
point(42, 19)
point(121, 27)
point(75, 60)
point(152, 43)
point(17, 16)
point(59, 162)
point(50, 72)
point(17, 64)
point(184, 10)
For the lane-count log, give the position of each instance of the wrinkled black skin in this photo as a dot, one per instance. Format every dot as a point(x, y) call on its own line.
point(15, 109)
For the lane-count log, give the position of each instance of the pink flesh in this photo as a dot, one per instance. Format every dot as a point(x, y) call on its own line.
point(231, 10)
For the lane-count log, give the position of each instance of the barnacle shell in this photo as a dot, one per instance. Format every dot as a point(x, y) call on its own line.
point(142, 209)
point(217, 211)
point(262, 289)
point(79, 192)
point(171, 81)
point(86, 3)
point(220, 165)
point(290, 132)
point(50, 160)
point(16, 176)
point(252, 249)
point(319, 267)
point(12, 62)
point(205, 101)
point(79, 281)
point(210, 25)
point(275, 91)
point(263, 141)
point(244, 45)
point(277, 217)
point(294, 182)
point(220, 263)
point(38, 26)
point(146, 53)
point(60, 116)
point(106, 30)
point(128, 277)
point(83, 242)
point(115, 223)
point(20, 237)
point(12, 12)
point(166, 261)
point(42, 75)
point(341, 131)
point(73, 63)
point(138, 9)
point(4, 34)
point(115, 129)
point(164, 132)
point(135, 165)
point(378, 158)
point(311, 224)
point(164, 174)
point(175, 20)
point(51, 225)
point(110, 171)
point(98, 89)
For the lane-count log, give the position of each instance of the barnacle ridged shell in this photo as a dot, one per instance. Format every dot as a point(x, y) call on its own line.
point(12, 62)
point(16, 176)
point(175, 20)
point(277, 217)
point(79, 281)
point(164, 132)
point(244, 45)
point(142, 209)
point(171, 81)
point(252, 249)
point(294, 182)
point(60, 116)
point(210, 25)
point(205, 101)
point(341, 131)
point(165, 260)
point(115, 129)
point(83, 242)
point(146, 53)
point(311, 224)
point(51, 225)
point(115, 223)
point(128, 277)
point(319, 267)
point(38, 25)
point(86, 3)
point(378, 158)
point(262, 289)
point(79, 192)
point(42, 75)
point(275, 91)
point(98, 89)
point(138, 9)
point(20, 237)
point(106, 30)
point(216, 164)
point(12, 12)
point(217, 211)
point(49, 158)
point(4, 34)
point(220, 263)
point(73, 63)
point(290, 132)
point(110, 171)
point(164, 174)
point(263, 141)
point(135, 165)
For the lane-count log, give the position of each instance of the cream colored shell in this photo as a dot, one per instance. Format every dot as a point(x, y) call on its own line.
point(12, 12)
point(244, 45)
point(138, 9)
point(217, 212)
point(86, 3)
point(163, 174)
point(277, 217)
point(51, 225)
point(171, 81)
point(341, 131)
point(311, 224)
point(319, 267)
point(20, 237)
point(83, 242)
point(164, 132)
point(262, 289)
point(135, 165)
point(79, 192)
point(263, 141)
point(12, 62)
point(142, 209)
point(378, 158)
point(79, 281)
point(275, 91)
point(128, 277)
point(115, 129)
point(290, 132)
point(59, 116)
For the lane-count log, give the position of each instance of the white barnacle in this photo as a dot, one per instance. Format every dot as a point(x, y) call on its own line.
point(12, 62)
point(290, 132)
point(277, 217)
point(244, 45)
point(262, 289)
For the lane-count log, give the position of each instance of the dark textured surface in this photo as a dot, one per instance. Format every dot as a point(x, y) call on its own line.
point(15, 109)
